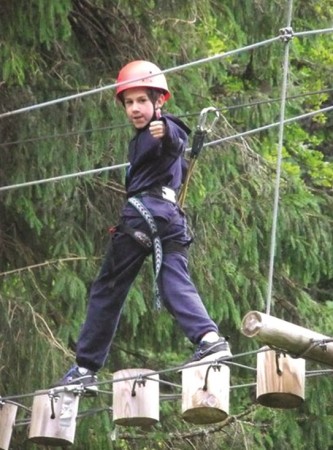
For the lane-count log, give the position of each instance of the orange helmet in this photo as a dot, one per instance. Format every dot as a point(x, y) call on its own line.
point(136, 69)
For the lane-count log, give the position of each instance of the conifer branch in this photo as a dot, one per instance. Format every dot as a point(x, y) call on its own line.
point(47, 263)
point(198, 432)
point(48, 334)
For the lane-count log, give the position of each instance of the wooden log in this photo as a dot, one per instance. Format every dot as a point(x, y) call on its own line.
point(136, 398)
point(205, 392)
point(54, 426)
point(7, 422)
point(280, 379)
point(294, 339)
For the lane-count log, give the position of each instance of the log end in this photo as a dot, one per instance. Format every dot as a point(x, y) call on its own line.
point(251, 324)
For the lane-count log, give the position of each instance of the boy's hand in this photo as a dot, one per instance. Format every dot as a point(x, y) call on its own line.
point(157, 129)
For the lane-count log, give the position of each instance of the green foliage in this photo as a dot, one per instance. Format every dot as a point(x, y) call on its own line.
point(42, 28)
point(53, 235)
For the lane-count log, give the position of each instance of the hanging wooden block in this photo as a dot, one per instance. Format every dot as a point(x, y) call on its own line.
point(280, 379)
point(205, 392)
point(136, 398)
point(7, 422)
point(53, 418)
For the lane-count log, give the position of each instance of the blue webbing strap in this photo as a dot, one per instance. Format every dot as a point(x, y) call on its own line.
point(157, 244)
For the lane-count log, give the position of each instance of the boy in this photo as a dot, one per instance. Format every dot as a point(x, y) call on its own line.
point(153, 179)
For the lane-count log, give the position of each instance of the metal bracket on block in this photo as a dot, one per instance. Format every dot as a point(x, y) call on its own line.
point(140, 381)
point(216, 367)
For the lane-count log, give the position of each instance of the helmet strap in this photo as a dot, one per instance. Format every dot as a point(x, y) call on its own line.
point(154, 95)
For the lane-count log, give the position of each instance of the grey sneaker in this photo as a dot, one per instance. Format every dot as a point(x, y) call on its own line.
point(210, 348)
point(80, 376)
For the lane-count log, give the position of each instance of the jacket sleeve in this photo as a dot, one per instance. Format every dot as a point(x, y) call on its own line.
point(175, 139)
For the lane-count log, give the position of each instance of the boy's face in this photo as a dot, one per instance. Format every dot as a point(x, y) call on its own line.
point(139, 108)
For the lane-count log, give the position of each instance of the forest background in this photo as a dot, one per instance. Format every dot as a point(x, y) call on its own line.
point(53, 235)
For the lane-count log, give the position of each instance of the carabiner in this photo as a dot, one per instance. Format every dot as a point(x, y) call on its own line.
point(203, 118)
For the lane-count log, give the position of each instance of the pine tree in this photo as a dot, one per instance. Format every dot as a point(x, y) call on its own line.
point(53, 234)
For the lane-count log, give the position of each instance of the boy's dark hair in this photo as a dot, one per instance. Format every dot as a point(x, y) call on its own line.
point(153, 95)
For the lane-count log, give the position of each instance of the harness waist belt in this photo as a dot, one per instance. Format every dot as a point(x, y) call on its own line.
point(169, 194)
point(164, 192)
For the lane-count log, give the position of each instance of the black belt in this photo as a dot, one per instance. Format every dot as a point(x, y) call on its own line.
point(162, 192)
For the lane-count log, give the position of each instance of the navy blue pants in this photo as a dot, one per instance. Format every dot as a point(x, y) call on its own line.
point(121, 265)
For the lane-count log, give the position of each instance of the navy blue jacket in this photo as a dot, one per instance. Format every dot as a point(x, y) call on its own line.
point(157, 162)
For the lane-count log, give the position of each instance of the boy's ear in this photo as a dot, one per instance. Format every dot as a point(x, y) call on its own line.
point(160, 101)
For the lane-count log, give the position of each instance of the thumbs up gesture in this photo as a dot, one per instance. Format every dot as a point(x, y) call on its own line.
point(157, 129)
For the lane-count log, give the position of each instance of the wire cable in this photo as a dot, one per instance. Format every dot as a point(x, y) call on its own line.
point(207, 144)
point(77, 390)
point(279, 162)
point(174, 369)
point(115, 85)
point(181, 116)
point(68, 134)
point(65, 177)
point(267, 127)
point(170, 70)
point(312, 32)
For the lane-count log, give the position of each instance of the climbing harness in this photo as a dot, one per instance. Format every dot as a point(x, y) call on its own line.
point(164, 192)
point(198, 142)
point(156, 241)
point(139, 236)
point(151, 242)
